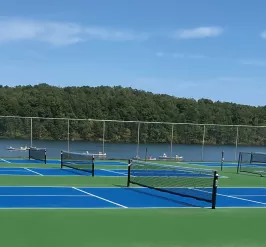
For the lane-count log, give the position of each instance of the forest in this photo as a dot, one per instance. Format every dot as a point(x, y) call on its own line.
point(127, 104)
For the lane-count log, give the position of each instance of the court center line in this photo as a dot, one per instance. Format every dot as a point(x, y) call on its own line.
point(33, 171)
point(90, 194)
point(6, 161)
point(113, 172)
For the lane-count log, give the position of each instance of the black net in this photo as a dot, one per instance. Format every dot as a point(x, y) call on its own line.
point(78, 161)
point(37, 154)
point(252, 163)
point(188, 182)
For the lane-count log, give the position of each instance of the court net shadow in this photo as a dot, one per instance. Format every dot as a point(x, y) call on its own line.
point(137, 190)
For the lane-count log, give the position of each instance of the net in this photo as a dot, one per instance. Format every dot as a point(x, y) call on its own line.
point(37, 154)
point(78, 161)
point(252, 163)
point(188, 182)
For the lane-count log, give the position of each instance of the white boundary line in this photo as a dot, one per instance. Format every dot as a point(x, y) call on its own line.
point(85, 192)
point(242, 199)
point(33, 171)
point(133, 208)
point(248, 195)
point(234, 197)
point(112, 171)
point(5, 161)
point(60, 195)
point(59, 186)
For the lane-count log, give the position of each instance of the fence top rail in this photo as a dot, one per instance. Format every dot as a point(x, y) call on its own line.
point(137, 122)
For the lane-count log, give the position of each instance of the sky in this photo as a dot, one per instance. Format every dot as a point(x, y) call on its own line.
point(213, 49)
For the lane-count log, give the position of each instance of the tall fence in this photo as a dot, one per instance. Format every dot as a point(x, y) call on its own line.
point(142, 138)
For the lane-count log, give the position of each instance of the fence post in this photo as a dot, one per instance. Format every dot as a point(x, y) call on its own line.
point(103, 135)
point(68, 134)
point(172, 137)
point(31, 131)
point(237, 133)
point(138, 140)
point(203, 142)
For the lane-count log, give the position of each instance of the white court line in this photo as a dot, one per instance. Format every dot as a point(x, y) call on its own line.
point(20, 195)
point(114, 172)
point(6, 161)
point(249, 195)
point(85, 192)
point(234, 197)
point(133, 208)
point(32, 171)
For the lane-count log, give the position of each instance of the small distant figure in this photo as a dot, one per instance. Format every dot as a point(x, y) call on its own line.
point(164, 155)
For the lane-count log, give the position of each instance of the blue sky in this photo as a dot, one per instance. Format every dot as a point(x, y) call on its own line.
point(197, 49)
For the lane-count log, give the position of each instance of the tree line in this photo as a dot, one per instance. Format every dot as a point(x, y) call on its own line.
point(127, 104)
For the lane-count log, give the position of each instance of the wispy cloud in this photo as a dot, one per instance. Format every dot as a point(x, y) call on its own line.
point(197, 33)
point(263, 34)
point(234, 79)
point(181, 55)
point(253, 62)
point(61, 33)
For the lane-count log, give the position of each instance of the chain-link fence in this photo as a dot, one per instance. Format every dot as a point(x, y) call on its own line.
point(124, 139)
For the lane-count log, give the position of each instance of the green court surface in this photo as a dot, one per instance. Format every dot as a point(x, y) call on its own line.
point(177, 227)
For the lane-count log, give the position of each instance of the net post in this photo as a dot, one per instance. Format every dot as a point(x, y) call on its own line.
point(45, 156)
point(128, 173)
point(29, 153)
point(61, 163)
point(251, 158)
point(93, 165)
point(214, 189)
point(222, 160)
point(239, 161)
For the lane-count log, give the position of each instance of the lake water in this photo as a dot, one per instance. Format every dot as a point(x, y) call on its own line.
point(126, 151)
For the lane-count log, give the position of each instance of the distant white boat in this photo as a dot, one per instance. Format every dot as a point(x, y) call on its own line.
point(176, 158)
point(150, 158)
point(100, 154)
point(18, 149)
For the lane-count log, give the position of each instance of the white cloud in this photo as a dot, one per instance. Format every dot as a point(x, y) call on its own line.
point(253, 62)
point(160, 54)
point(61, 33)
point(263, 34)
point(196, 33)
point(181, 55)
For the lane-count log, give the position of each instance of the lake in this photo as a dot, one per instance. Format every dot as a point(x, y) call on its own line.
point(129, 150)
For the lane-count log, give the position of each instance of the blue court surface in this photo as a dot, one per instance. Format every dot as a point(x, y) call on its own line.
point(121, 197)
point(57, 162)
point(24, 171)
